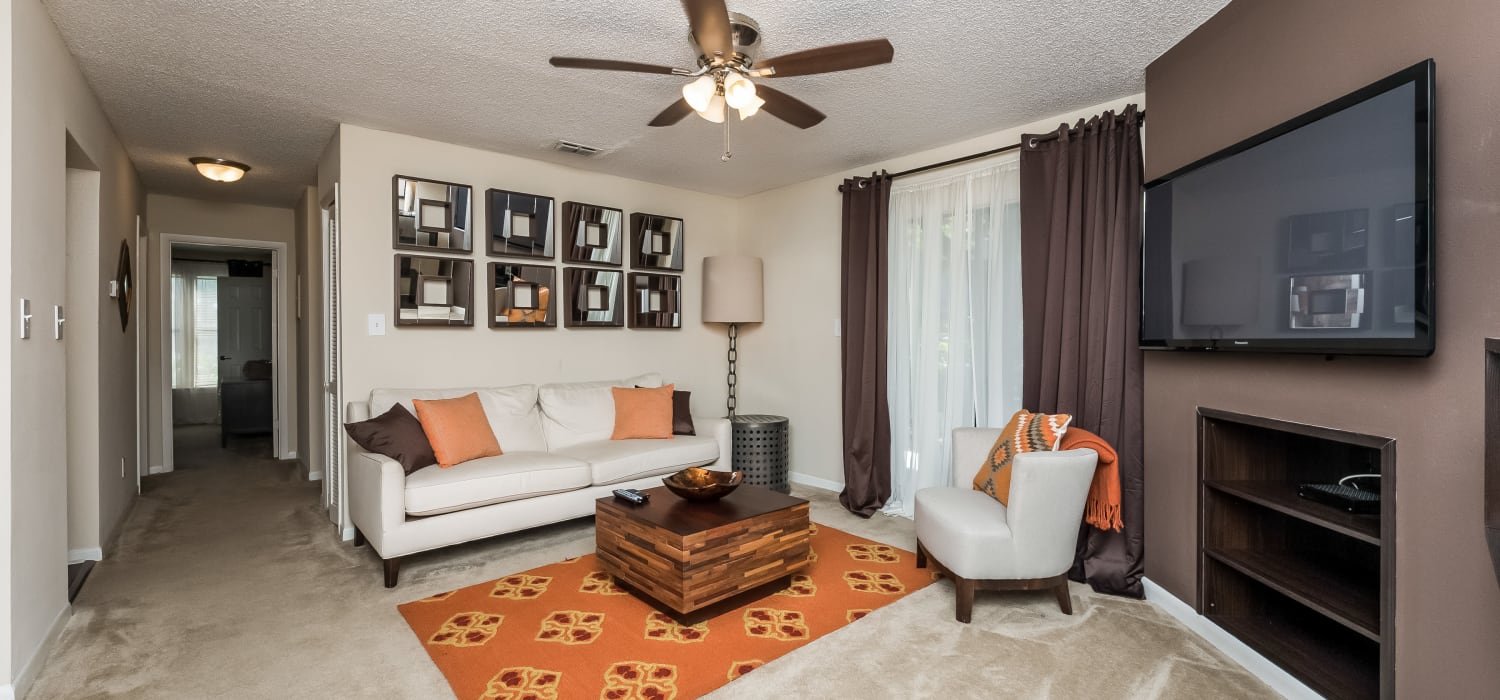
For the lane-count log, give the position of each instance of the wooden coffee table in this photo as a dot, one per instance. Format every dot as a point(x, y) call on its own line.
point(696, 560)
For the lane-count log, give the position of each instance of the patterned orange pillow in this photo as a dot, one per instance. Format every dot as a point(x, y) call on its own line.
point(457, 429)
point(1026, 432)
point(643, 413)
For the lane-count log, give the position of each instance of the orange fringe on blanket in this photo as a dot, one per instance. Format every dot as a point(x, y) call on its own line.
point(1103, 508)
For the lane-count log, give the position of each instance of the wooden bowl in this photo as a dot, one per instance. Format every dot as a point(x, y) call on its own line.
point(699, 484)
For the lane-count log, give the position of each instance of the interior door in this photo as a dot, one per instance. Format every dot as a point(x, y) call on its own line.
point(244, 324)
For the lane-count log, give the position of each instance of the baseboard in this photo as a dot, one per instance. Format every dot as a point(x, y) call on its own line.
point(33, 665)
point(7, 692)
point(315, 476)
point(348, 534)
point(307, 472)
point(85, 554)
point(1259, 666)
point(291, 454)
point(816, 482)
point(156, 469)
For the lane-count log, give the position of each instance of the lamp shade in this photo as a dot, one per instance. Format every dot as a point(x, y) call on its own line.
point(733, 289)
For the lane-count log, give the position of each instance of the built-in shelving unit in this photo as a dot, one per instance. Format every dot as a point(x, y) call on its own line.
point(1308, 585)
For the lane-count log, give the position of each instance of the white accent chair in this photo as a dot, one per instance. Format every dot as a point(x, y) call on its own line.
point(1028, 545)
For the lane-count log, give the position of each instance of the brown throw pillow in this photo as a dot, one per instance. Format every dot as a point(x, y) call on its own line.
point(396, 434)
point(682, 412)
point(642, 413)
point(457, 429)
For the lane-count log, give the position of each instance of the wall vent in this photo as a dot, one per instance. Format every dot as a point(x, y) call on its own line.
point(574, 147)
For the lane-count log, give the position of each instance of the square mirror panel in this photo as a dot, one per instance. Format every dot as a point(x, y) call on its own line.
point(520, 224)
point(434, 291)
point(432, 215)
point(521, 296)
point(655, 301)
point(655, 242)
point(592, 234)
point(595, 297)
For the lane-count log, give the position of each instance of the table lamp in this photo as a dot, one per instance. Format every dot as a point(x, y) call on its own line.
point(732, 294)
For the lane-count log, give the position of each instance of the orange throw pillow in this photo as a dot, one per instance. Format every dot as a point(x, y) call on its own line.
point(643, 413)
point(457, 429)
point(1026, 432)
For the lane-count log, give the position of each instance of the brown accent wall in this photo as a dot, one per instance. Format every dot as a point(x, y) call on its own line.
point(1254, 65)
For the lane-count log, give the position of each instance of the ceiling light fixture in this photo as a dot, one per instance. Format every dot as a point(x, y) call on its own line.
point(218, 169)
point(739, 92)
point(699, 92)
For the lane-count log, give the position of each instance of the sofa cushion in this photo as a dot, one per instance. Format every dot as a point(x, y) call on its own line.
point(512, 411)
point(613, 461)
point(584, 411)
point(508, 477)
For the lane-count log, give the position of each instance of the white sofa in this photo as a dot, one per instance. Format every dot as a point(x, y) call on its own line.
point(557, 460)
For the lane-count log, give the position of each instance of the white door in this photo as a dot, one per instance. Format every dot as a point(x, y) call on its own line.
point(333, 470)
point(244, 324)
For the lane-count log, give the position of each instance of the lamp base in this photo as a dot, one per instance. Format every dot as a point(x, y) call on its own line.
point(732, 379)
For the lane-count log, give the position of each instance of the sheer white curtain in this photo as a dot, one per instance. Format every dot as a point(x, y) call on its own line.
point(195, 341)
point(954, 345)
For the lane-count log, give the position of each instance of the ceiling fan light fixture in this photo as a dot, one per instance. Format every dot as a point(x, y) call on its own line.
point(218, 169)
point(700, 92)
point(739, 92)
point(749, 110)
point(715, 110)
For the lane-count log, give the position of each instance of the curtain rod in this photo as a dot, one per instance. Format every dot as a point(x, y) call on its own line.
point(1140, 119)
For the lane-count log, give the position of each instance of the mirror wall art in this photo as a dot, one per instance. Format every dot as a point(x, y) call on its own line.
point(434, 291)
point(655, 242)
point(654, 301)
point(592, 234)
point(432, 215)
point(521, 296)
point(520, 225)
point(595, 298)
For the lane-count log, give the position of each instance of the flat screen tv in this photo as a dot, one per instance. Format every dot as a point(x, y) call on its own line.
point(1312, 237)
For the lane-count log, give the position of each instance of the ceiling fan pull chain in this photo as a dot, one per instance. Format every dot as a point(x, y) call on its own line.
point(727, 155)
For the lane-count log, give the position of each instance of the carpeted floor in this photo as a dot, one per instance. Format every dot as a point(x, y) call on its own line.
point(229, 582)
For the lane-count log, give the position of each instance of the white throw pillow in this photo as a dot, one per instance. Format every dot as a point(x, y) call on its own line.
point(583, 411)
point(512, 411)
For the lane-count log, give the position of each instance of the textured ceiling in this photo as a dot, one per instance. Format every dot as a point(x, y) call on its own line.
point(266, 81)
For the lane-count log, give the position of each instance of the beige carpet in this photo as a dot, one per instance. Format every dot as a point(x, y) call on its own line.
point(229, 582)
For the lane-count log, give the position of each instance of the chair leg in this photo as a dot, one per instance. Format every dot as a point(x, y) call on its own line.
point(1064, 599)
point(921, 556)
point(359, 538)
point(392, 570)
point(963, 608)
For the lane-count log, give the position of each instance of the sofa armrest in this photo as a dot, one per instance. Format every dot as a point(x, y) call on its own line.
point(970, 448)
point(377, 495)
point(722, 433)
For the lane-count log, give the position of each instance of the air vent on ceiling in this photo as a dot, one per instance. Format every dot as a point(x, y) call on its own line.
point(575, 147)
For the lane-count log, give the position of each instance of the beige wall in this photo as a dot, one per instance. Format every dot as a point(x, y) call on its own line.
point(213, 219)
point(307, 239)
point(693, 357)
point(790, 365)
point(1249, 68)
point(7, 321)
point(57, 102)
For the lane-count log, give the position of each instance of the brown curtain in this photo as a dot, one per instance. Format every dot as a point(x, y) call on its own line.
point(1080, 256)
point(867, 421)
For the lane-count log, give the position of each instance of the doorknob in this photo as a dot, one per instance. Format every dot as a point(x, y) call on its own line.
point(224, 357)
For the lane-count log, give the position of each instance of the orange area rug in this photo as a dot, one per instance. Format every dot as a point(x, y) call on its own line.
point(566, 631)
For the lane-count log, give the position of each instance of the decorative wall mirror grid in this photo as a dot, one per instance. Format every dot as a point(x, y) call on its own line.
point(656, 242)
point(521, 296)
point(520, 224)
point(655, 301)
point(434, 291)
point(595, 297)
point(592, 234)
point(432, 215)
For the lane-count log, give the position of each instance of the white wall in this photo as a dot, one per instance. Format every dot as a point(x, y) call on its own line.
point(196, 217)
point(693, 357)
point(7, 322)
point(82, 342)
point(791, 364)
point(56, 101)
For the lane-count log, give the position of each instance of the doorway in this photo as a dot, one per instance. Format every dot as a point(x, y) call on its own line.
point(224, 377)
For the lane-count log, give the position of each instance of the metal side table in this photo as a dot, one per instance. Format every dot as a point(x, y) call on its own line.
point(760, 450)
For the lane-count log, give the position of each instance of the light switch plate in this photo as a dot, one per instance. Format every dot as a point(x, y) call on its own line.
point(376, 324)
point(25, 319)
point(114, 289)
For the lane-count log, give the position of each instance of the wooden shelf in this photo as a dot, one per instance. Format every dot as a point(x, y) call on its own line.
point(1318, 584)
point(1281, 496)
point(1327, 664)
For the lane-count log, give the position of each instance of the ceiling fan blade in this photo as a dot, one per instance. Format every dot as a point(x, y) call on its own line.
point(828, 59)
point(672, 114)
point(606, 64)
point(710, 22)
point(787, 108)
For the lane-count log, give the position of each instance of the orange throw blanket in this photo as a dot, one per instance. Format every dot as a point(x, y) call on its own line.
point(1103, 507)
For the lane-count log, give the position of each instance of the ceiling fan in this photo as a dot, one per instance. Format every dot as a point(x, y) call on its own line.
point(727, 43)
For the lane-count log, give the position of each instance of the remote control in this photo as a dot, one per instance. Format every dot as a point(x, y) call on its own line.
point(631, 495)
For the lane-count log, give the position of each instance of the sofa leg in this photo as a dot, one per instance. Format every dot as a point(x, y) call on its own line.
point(359, 538)
point(921, 556)
point(1064, 599)
point(392, 570)
point(963, 608)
